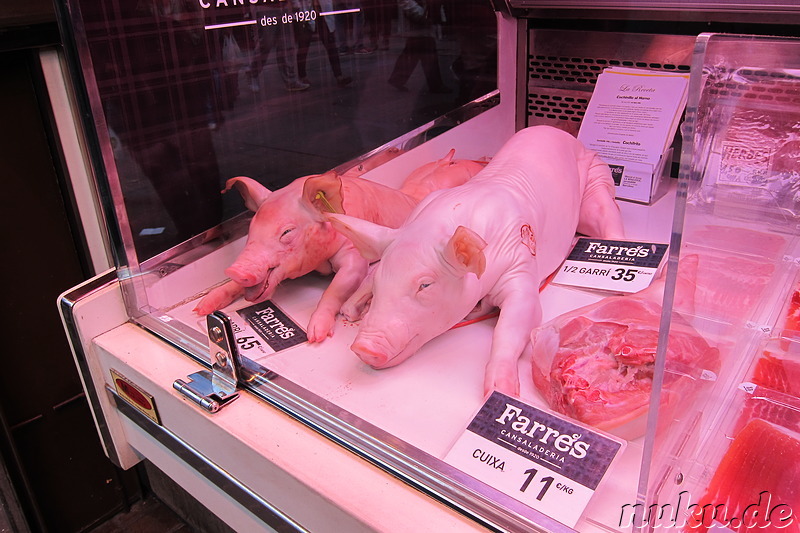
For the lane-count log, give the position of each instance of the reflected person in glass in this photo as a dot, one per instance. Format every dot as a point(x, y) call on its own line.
point(272, 33)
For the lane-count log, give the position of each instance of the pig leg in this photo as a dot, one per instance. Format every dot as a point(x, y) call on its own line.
point(481, 308)
point(219, 297)
point(350, 270)
point(520, 312)
point(357, 304)
point(599, 212)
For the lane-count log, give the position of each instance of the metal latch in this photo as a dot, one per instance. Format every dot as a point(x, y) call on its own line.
point(213, 390)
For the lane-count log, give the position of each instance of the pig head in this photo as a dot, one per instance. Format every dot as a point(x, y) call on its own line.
point(416, 295)
point(492, 240)
point(289, 237)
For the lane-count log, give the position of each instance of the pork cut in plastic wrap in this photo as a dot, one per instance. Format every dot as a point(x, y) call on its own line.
point(790, 321)
point(493, 239)
point(771, 390)
point(747, 129)
point(736, 266)
point(596, 363)
point(289, 237)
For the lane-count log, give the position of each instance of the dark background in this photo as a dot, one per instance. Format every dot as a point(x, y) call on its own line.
point(54, 475)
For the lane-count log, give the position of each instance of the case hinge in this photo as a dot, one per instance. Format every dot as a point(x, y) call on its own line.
point(212, 390)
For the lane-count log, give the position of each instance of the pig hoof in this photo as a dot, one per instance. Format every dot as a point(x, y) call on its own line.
point(507, 385)
point(320, 329)
point(351, 313)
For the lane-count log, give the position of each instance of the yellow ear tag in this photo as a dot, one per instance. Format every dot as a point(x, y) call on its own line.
point(321, 196)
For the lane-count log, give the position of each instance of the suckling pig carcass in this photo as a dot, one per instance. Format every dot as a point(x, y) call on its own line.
point(493, 239)
point(289, 237)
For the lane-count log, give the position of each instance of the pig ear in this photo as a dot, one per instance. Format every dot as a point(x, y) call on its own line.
point(324, 192)
point(449, 157)
point(368, 238)
point(252, 191)
point(464, 251)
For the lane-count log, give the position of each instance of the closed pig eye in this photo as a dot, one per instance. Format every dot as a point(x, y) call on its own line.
point(284, 236)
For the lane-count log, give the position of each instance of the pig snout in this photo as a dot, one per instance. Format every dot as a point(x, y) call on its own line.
point(244, 276)
point(378, 351)
point(253, 278)
point(371, 353)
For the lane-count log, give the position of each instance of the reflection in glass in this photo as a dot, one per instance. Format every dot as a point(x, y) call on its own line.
point(195, 92)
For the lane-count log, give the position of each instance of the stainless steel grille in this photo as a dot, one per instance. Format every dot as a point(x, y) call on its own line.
point(551, 106)
point(586, 69)
point(563, 66)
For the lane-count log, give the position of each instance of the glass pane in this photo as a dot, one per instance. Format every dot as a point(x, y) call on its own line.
point(739, 173)
point(189, 93)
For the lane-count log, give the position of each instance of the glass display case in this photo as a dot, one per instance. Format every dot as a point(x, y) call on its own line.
point(183, 100)
point(739, 223)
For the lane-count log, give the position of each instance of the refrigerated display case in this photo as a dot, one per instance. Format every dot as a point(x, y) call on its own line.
point(175, 98)
point(738, 168)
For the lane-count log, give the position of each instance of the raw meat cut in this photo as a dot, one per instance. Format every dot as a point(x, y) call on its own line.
point(770, 405)
point(736, 264)
point(733, 239)
point(756, 482)
point(775, 396)
point(596, 363)
point(778, 373)
point(729, 286)
point(791, 325)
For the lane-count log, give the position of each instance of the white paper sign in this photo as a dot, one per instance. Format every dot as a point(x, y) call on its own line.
point(617, 266)
point(633, 114)
point(548, 463)
point(631, 121)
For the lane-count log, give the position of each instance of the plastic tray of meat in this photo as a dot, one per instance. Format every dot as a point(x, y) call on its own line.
point(740, 240)
point(736, 268)
point(754, 458)
point(597, 363)
point(772, 387)
point(788, 326)
point(778, 367)
point(752, 165)
point(754, 486)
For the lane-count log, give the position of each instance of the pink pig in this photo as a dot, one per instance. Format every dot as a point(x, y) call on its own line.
point(289, 237)
point(441, 174)
point(491, 240)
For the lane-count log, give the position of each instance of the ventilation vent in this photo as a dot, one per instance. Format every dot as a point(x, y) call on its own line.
point(582, 70)
point(556, 107)
point(563, 67)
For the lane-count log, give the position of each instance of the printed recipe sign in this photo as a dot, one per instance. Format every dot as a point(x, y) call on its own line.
point(548, 463)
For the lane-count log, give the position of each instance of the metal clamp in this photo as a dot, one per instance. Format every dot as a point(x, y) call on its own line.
point(213, 390)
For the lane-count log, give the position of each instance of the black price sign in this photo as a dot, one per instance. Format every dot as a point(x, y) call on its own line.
point(619, 266)
point(549, 463)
